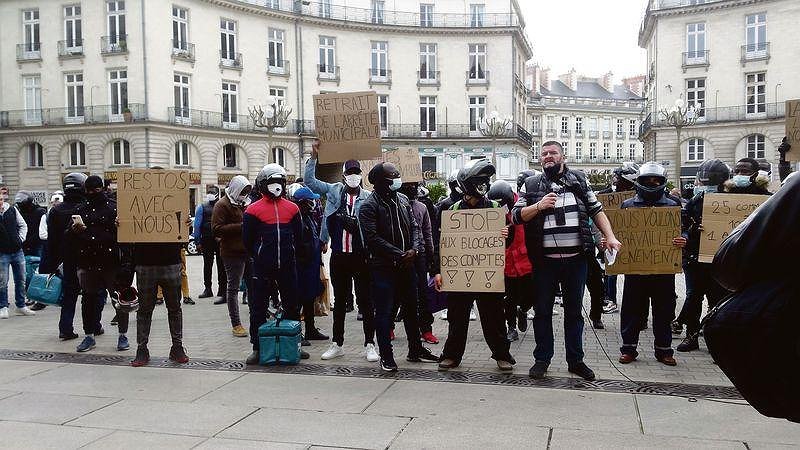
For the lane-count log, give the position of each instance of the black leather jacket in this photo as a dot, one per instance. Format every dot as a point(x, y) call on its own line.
point(388, 227)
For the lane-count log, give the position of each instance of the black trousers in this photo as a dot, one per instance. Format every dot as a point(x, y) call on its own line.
point(519, 294)
point(699, 283)
point(423, 312)
point(596, 286)
point(491, 311)
point(347, 270)
point(210, 252)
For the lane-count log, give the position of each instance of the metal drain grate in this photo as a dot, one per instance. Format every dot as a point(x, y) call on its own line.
point(486, 378)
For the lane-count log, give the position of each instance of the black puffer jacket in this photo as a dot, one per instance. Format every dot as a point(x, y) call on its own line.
point(388, 227)
point(62, 247)
point(97, 244)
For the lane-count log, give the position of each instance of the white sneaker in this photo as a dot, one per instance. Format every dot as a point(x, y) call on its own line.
point(444, 314)
point(24, 311)
point(334, 351)
point(370, 353)
point(3, 313)
point(472, 315)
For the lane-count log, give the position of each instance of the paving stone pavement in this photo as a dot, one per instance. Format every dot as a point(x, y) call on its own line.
point(207, 335)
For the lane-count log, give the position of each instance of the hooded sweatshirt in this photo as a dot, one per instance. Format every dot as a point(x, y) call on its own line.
point(226, 220)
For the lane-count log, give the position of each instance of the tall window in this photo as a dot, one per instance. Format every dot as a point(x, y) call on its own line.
point(279, 156)
point(279, 94)
point(77, 154)
point(32, 93)
point(72, 26)
point(565, 146)
point(477, 112)
point(696, 149)
point(427, 61)
point(632, 128)
point(325, 8)
point(696, 95)
point(477, 61)
point(756, 35)
point(551, 124)
point(118, 88)
point(180, 29)
point(756, 89)
point(579, 126)
point(593, 150)
point(476, 13)
point(606, 150)
point(181, 91)
point(227, 39)
point(74, 90)
point(378, 7)
point(35, 155)
point(607, 125)
point(116, 21)
point(427, 114)
point(579, 150)
point(229, 156)
point(564, 125)
point(756, 146)
point(620, 127)
point(696, 41)
point(182, 154)
point(327, 56)
point(379, 60)
point(593, 124)
point(275, 48)
point(121, 152)
point(632, 152)
point(426, 15)
point(30, 30)
point(383, 111)
point(230, 107)
point(536, 126)
point(620, 149)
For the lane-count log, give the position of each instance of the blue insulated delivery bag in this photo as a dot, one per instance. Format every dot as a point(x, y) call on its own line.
point(279, 342)
point(45, 289)
point(31, 266)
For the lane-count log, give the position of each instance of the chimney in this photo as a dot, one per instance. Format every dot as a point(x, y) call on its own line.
point(635, 84)
point(545, 79)
point(570, 79)
point(607, 81)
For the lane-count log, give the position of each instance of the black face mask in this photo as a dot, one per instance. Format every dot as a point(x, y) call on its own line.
point(95, 197)
point(552, 171)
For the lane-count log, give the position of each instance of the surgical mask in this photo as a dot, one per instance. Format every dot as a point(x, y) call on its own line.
point(352, 180)
point(275, 189)
point(396, 184)
point(211, 197)
point(741, 181)
point(699, 189)
point(243, 200)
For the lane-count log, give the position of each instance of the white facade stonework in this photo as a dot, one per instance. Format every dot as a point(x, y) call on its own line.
point(738, 60)
point(181, 68)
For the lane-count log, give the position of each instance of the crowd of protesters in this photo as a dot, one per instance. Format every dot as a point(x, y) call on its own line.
point(267, 239)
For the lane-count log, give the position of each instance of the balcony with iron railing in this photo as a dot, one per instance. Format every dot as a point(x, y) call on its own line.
point(30, 51)
point(414, 131)
point(210, 119)
point(477, 77)
point(645, 126)
point(72, 48)
point(230, 60)
point(755, 52)
point(593, 134)
point(606, 135)
point(183, 50)
point(278, 67)
point(740, 113)
point(328, 73)
point(550, 133)
point(579, 134)
point(114, 44)
point(565, 133)
point(380, 76)
point(429, 78)
point(98, 114)
point(697, 58)
point(620, 135)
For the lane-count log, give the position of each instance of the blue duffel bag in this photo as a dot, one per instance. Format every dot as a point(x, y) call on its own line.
point(45, 289)
point(31, 266)
point(279, 342)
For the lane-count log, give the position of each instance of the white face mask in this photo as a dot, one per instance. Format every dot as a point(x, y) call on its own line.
point(352, 180)
point(396, 184)
point(275, 189)
point(210, 197)
point(243, 200)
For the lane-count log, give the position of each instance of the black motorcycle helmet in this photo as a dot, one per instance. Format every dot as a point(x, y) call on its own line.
point(624, 177)
point(73, 183)
point(475, 178)
point(501, 191)
point(524, 175)
point(645, 188)
point(713, 172)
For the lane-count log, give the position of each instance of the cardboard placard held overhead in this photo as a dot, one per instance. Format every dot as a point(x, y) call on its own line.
point(152, 205)
point(793, 129)
point(721, 214)
point(614, 200)
point(348, 126)
point(406, 159)
point(646, 235)
point(472, 251)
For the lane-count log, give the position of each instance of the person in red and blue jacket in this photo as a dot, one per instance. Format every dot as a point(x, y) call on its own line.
point(270, 228)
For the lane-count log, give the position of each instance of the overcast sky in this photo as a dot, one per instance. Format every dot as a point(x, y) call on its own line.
point(593, 36)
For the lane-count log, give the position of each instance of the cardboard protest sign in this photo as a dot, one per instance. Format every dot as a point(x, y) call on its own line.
point(40, 197)
point(614, 200)
point(646, 235)
point(406, 159)
point(793, 129)
point(348, 126)
point(153, 205)
point(472, 251)
point(721, 214)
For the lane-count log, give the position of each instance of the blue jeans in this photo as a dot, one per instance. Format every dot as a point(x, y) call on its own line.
point(547, 274)
point(17, 263)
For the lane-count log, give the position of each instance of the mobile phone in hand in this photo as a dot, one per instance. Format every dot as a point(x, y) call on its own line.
point(77, 220)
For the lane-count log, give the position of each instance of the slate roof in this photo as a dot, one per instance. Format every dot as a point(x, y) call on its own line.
point(589, 89)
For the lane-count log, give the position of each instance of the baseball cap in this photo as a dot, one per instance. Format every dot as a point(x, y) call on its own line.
point(351, 166)
point(305, 193)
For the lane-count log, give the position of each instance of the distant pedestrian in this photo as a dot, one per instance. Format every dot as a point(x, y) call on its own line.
point(203, 234)
point(13, 231)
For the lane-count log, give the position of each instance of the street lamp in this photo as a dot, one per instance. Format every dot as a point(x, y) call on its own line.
point(274, 116)
point(680, 116)
point(493, 127)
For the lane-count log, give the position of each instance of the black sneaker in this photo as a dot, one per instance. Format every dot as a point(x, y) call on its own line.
point(67, 336)
point(178, 354)
point(422, 355)
point(538, 370)
point(512, 335)
point(522, 320)
point(304, 343)
point(220, 301)
point(38, 307)
point(188, 301)
point(598, 325)
point(689, 344)
point(677, 327)
point(142, 357)
point(252, 359)
point(304, 354)
point(100, 332)
point(313, 334)
point(388, 364)
point(206, 294)
point(582, 370)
